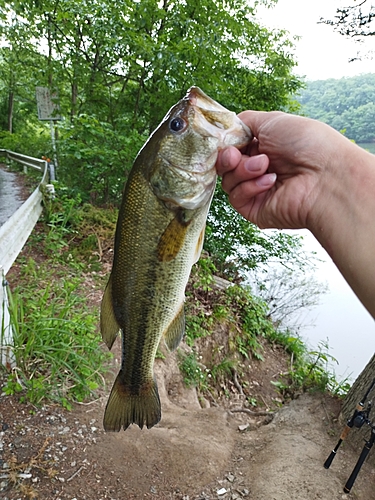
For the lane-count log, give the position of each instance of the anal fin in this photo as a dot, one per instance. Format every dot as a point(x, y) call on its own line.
point(175, 331)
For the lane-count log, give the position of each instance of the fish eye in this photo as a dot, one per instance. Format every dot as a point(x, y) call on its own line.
point(177, 124)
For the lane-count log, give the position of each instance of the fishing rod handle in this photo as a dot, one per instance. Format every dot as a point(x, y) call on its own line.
point(332, 455)
point(357, 468)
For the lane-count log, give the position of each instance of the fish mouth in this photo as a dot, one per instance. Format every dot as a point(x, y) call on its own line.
point(211, 118)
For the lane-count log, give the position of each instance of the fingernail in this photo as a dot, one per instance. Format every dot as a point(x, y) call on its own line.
point(225, 158)
point(255, 163)
point(266, 180)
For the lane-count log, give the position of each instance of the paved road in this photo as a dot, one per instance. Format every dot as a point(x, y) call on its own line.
point(10, 195)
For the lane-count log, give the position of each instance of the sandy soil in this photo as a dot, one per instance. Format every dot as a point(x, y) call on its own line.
point(192, 454)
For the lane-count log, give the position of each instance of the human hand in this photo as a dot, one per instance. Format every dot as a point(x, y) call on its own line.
point(279, 178)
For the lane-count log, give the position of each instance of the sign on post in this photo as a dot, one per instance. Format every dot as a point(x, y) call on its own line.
point(48, 110)
point(47, 103)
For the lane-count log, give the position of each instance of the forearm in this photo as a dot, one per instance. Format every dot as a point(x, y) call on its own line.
point(343, 219)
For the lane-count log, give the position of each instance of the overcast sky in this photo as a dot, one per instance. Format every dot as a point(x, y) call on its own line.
point(321, 53)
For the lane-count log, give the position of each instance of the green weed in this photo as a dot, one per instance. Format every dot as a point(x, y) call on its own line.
point(310, 369)
point(194, 374)
point(56, 346)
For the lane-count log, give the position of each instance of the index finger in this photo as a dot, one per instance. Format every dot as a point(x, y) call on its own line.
point(227, 160)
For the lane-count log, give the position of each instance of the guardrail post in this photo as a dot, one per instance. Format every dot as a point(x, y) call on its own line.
point(7, 357)
point(52, 172)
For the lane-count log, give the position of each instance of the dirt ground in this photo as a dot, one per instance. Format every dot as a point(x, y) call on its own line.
point(192, 454)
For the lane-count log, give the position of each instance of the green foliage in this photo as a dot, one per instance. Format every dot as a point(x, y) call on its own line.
point(74, 232)
point(62, 217)
point(345, 104)
point(193, 373)
point(56, 346)
point(309, 369)
point(249, 314)
point(96, 157)
point(30, 140)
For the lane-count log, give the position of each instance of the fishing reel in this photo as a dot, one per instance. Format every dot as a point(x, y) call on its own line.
point(362, 416)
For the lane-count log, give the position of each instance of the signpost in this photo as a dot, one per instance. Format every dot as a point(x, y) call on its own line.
point(49, 110)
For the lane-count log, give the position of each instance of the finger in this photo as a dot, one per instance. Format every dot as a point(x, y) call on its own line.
point(255, 120)
point(247, 169)
point(227, 160)
point(244, 194)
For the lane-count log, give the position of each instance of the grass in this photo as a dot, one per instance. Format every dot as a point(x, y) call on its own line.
point(56, 342)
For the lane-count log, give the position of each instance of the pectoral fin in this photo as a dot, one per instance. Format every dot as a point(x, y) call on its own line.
point(172, 239)
point(108, 324)
point(199, 245)
point(175, 330)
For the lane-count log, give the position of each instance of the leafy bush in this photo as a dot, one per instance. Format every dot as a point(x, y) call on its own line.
point(96, 157)
point(32, 140)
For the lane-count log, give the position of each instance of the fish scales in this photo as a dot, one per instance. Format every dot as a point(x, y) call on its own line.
point(159, 236)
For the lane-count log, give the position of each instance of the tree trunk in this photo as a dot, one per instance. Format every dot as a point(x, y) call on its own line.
point(357, 437)
point(73, 109)
point(10, 111)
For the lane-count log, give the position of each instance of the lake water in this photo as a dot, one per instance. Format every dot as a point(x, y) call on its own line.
point(340, 318)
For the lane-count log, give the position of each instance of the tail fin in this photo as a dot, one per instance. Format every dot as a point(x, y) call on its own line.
point(124, 408)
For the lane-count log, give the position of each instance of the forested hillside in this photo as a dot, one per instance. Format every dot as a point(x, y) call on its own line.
point(345, 104)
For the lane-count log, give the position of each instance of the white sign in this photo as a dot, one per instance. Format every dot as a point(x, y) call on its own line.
point(47, 103)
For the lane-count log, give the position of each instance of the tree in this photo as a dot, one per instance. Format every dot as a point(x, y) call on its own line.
point(119, 66)
point(355, 21)
point(345, 104)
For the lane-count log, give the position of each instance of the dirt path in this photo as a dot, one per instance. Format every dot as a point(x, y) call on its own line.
point(192, 454)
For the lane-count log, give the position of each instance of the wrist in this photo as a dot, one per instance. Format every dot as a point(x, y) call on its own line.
point(343, 218)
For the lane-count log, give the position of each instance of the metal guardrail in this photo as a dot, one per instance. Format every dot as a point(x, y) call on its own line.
point(13, 235)
point(28, 161)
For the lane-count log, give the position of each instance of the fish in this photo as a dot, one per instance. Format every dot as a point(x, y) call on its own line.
point(159, 236)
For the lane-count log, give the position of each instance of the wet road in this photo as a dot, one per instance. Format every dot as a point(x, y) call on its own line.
point(10, 195)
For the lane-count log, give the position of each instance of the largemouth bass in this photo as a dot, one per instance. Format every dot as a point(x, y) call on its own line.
point(159, 236)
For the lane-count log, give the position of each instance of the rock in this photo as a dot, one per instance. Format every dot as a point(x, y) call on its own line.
point(243, 428)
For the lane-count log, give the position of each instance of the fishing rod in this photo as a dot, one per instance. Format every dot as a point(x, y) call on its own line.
point(362, 458)
point(359, 417)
